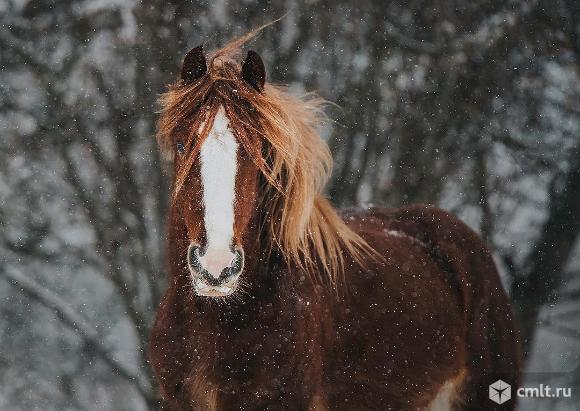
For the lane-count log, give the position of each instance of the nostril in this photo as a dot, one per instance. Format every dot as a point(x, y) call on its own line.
point(225, 274)
point(238, 262)
point(193, 258)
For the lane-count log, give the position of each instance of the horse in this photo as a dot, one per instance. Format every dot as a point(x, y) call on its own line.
point(278, 301)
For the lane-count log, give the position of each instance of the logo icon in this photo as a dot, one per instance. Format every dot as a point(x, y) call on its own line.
point(500, 392)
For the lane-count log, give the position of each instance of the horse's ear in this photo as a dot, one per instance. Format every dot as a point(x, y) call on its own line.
point(253, 71)
point(194, 65)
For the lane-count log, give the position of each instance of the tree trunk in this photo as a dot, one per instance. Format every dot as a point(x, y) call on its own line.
point(547, 261)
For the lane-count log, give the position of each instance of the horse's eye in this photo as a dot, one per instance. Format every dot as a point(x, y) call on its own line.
point(180, 147)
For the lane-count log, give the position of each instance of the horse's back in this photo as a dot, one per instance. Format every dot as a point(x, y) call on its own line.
point(422, 326)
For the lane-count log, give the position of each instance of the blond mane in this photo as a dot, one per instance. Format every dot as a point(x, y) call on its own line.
point(295, 161)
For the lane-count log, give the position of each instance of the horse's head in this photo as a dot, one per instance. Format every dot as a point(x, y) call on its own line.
point(249, 167)
point(215, 166)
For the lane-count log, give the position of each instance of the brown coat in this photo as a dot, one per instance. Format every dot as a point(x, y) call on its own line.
point(433, 311)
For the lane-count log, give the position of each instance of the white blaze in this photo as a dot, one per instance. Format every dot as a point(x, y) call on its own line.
point(218, 156)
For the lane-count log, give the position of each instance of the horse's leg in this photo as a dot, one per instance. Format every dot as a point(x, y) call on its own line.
point(448, 397)
point(318, 402)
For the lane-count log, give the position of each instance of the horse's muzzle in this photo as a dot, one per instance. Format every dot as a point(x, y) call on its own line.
point(218, 276)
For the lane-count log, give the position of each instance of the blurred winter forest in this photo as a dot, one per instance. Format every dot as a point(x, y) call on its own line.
point(469, 105)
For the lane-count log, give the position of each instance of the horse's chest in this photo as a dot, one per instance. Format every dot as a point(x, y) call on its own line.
point(251, 353)
point(266, 357)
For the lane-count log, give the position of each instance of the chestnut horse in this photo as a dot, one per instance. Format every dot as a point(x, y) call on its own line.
point(277, 301)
